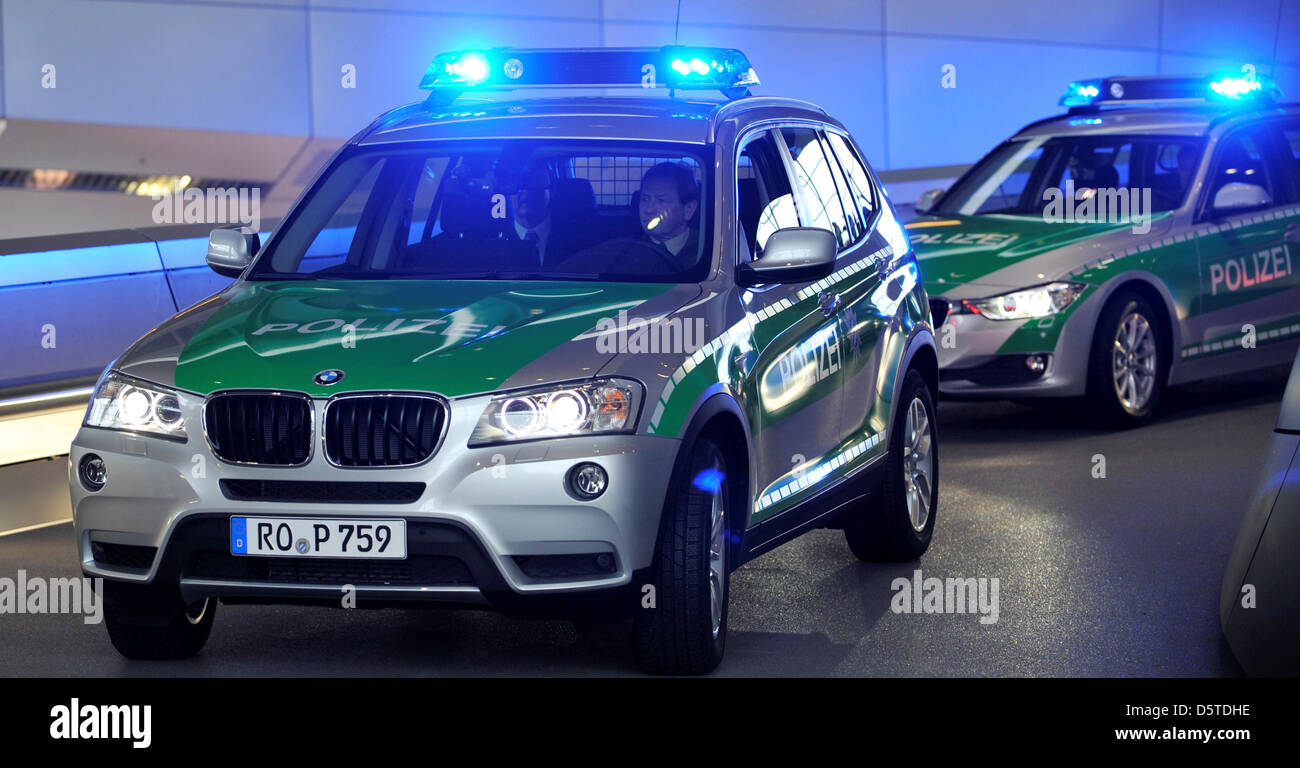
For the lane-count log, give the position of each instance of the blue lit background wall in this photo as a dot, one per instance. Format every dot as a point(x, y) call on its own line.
point(273, 66)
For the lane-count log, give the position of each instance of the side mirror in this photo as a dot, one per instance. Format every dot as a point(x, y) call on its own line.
point(792, 255)
point(925, 203)
point(1237, 196)
point(230, 251)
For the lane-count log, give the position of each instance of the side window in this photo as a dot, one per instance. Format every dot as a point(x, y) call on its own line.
point(764, 198)
point(819, 201)
point(1292, 135)
point(1240, 160)
point(864, 194)
point(856, 226)
point(1288, 157)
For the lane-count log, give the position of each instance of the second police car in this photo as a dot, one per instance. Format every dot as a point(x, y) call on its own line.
point(1148, 237)
point(546, 354)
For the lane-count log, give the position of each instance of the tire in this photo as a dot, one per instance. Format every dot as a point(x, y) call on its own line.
point(1128, 355)
point(178, 633)
point(896, 526)
point(685, 632)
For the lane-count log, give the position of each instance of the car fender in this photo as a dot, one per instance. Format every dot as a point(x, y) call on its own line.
point(919, 338)
point(1088, 313)
point(718, 399)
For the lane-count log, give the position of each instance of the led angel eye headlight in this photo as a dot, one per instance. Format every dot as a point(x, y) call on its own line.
point(135, 406)
point(520, 416)
point(593, 407)
point(1027, 303)
point(566, 411)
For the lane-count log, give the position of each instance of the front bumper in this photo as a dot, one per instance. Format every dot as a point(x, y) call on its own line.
point(501, 512)
point(975, 363)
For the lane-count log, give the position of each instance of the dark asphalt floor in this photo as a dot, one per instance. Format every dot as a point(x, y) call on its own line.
point(1097, 577)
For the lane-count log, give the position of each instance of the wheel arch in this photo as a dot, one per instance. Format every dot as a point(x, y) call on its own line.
point(922, 354)
point(1152, 289)
point(720, 417)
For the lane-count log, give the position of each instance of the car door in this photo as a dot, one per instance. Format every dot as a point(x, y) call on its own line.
point(871, 283)
point(793, 388)
point(1249, 290)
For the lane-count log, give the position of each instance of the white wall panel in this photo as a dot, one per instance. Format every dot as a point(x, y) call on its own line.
point(838, 71)
point(999, 88)
point(842, 15)
point(145, 63)
point(1105, 23)
point(388, 75)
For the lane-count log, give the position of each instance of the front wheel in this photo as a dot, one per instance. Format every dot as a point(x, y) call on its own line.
point(177, 632)
point(1127, 367)
point(897, 526)
point(685, 631)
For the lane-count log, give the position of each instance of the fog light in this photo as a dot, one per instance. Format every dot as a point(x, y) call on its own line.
point(1036, 363)
point(92, 472)
point(604, 562)
point(586, 481)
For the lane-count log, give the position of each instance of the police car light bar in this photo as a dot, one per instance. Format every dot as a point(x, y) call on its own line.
point(505, 69)
point(1122, 91)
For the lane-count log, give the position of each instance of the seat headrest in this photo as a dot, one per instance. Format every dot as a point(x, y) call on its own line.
point(573, 197)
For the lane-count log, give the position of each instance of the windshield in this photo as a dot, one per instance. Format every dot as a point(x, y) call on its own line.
point(518, 210)
point(1019, 176)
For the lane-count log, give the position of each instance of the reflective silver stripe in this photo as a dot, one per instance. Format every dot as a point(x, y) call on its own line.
point(783, 489)
point(732, 333)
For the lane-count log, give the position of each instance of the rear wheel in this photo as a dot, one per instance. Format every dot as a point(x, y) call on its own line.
point(685, 632)
point(897, 526)
point(1128, 365)
point(175, 632)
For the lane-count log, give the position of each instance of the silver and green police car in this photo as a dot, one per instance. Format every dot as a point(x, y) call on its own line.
point(1148, 237)
point(562, 355)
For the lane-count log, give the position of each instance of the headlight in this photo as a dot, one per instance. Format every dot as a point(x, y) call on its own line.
point(135, 406)
point(1039, 301)
point(596, 407)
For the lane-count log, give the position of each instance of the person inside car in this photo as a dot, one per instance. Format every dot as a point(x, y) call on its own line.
point(669, 243)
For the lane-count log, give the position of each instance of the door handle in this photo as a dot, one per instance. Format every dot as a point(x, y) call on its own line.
point(881, 261)
point(828, 302)
point(1292, 234)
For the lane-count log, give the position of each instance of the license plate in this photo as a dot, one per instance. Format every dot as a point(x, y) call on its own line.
point(304, 537)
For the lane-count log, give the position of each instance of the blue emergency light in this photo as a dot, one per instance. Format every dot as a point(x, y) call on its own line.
point(674, 67)
point(1176, 89)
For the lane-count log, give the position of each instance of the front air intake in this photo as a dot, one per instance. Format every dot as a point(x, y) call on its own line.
point(383, 430)
point(938, 311)
point(266, 428)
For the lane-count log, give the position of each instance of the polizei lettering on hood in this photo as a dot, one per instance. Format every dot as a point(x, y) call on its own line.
point(438, 327)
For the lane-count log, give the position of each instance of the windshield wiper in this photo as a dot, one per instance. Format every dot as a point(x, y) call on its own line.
point(382, 275)
point(548, 275)
point(503, 275)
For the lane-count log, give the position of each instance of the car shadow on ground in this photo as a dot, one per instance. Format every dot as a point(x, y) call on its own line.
point(1005, 421)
